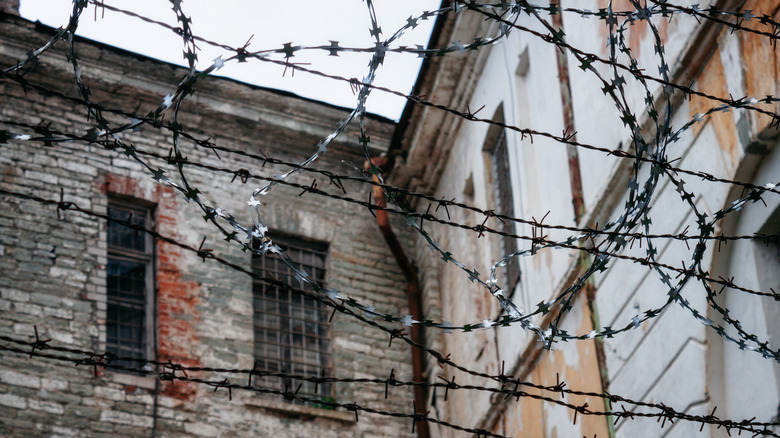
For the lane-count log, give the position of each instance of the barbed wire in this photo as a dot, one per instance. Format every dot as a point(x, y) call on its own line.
point(258, 230)
point(663, 412)
point(173, 371)
point(49, 136)
point(62, 205)
point(712, 12)
point(564, 139)
point(614, 237)
point(168, 372)
point(89, 359)
point(539, 242)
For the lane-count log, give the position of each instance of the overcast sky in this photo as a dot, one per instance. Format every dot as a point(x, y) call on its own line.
point(270, 24)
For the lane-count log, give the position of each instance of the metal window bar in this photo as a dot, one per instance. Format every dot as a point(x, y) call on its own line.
point(128, 284)
point(503, 193)
point(291, 330)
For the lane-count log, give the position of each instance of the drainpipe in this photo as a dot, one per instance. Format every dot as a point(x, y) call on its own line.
point(568, 125)
point(413, 295)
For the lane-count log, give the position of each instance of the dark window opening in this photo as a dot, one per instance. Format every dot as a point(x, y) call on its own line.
point(291, 330)
point(129, 279)
point(502, 182)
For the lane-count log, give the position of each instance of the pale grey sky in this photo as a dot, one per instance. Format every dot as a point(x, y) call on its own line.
point(270, 24)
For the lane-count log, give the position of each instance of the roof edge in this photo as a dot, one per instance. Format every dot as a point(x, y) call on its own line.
point(41, 27)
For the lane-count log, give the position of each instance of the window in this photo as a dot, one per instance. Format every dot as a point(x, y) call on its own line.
point(738, 377)
point(496, 147)
point(129, 281)
point(291, 329)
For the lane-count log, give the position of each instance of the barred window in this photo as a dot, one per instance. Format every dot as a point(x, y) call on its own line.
point(129, 280)
point(291, 329)
point(505, 205)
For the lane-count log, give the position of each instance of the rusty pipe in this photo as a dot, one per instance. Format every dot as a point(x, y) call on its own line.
point(413, 296)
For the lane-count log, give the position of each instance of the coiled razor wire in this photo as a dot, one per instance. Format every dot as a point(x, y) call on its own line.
point(169, 371)
point(505, 14)
point(509, 387)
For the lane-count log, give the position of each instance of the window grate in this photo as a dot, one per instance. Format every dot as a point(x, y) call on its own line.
point(128, 284)
point(503, 188)
point(291, 329)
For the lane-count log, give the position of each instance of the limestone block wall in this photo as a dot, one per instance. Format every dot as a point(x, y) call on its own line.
point(53, 269)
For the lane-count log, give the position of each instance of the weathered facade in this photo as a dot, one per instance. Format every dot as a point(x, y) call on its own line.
point(525, 82)
point(72, 276)
point(56, 264)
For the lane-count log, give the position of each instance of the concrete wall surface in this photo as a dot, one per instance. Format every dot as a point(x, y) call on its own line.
point(677, 358)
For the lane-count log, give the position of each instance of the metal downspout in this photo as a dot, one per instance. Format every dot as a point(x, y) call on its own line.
point(413, 295)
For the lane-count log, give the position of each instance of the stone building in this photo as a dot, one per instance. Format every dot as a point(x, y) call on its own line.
point(88, 283)
point(526, 82)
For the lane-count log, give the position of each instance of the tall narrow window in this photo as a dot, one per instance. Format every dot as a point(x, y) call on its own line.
point(129, 283)
point(291, 329)
point(496, 146)
point(505, 205)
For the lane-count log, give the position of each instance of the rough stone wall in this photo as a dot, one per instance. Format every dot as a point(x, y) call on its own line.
point(53, 270)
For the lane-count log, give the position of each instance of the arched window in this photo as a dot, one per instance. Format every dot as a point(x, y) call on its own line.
point(743, 383)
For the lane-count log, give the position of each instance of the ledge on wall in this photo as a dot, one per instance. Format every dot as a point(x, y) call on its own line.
point(299, 411)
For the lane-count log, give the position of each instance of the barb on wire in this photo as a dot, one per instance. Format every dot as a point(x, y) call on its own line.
point(171, 371)
point(651, 170)
point(614, 231)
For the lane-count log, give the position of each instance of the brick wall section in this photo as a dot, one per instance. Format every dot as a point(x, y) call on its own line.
point(54, 270)
point(177, 313)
